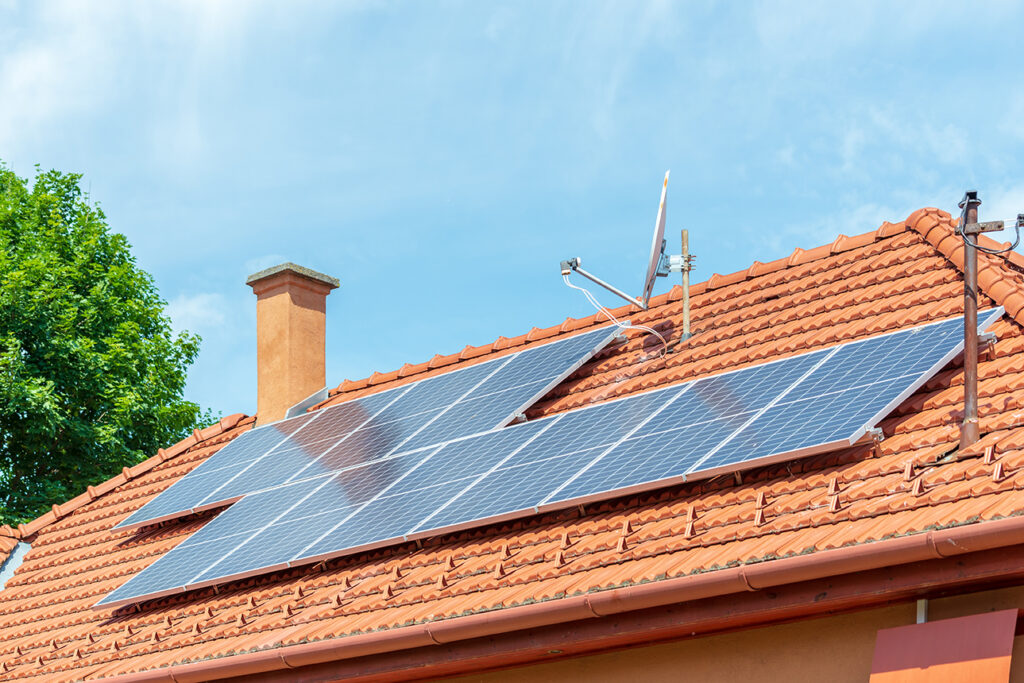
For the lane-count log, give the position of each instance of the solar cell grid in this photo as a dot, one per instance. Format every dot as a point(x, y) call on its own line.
point(274, 546)
point(471, 457)
point(189, 491)
point(384, 519)
point(592, 427)
point(183, 495)
point(789, 427)
point(511, 489)
point(902, 354)
point(480, 412)
point(253, 512)
point(376, 426)
point(162, 577)
point(853, 388)
point(795, 405)
point(650, 458)
point(342, 496)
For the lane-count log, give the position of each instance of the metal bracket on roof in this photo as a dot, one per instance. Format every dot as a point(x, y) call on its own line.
point(978, 228)
point(987, 345)
point(306, 403)
point(519, 418)
point(875, 434)
point(572, 265)
point(678, 263)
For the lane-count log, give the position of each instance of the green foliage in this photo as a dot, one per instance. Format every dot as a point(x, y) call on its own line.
point(91, 376)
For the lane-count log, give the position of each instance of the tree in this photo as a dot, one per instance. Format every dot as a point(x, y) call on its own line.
point(91, 375)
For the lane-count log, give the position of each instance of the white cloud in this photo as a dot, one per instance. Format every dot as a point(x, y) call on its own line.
point(70, 60)
point(1012, 121)
point(786, 156)
point(255, 265)
point(54, 74)
point(1002, 204)
point(823, 229)
point(199, 313)
point(850, 148)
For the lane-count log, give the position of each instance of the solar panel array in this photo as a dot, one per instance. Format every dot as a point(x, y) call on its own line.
point(424, 413)
point(799, 405)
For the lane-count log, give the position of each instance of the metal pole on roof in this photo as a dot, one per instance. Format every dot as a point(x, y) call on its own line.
point(969, 433)
point(969, 228)
point(686, 284)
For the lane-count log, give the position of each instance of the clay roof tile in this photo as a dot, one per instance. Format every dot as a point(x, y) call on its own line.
point(900, 274)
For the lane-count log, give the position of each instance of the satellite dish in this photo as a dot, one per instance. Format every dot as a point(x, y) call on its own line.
point(659, 264)
point(654, 264)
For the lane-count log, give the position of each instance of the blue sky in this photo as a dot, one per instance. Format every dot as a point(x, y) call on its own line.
point(441, 158)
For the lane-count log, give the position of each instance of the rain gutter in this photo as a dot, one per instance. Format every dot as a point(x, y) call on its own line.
point(930, 545)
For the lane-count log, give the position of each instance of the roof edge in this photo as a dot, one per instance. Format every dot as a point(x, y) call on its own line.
point(922, 546)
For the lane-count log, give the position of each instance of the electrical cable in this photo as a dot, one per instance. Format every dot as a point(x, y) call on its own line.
point(995, 252)
point(615, 321)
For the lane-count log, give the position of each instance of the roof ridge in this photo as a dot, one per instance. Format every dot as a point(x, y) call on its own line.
point(799, 256)
point(938, 228)
point(58, 512)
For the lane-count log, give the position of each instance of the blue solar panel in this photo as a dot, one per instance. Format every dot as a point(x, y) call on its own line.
point(472, 457)
point(259, 509)
point(368, 488)
point(492, 409)
point(648, 459)
point(386, 518)
point(687, 429)
point(855, 387)
point(511, 489)
point(235, 457)
point(448, 406)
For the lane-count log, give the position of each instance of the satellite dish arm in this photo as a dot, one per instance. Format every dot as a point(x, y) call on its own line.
point(573, 265)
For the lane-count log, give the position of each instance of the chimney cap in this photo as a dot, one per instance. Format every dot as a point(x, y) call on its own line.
point(288, 267)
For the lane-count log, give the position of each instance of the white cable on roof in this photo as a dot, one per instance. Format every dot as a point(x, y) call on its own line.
point(615, 321)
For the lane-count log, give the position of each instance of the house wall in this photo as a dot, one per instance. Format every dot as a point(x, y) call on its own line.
point(837, 648)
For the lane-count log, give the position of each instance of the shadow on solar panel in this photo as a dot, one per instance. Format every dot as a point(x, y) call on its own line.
point(403, 471)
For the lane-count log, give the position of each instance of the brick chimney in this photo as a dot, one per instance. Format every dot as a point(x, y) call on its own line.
point(290, 336)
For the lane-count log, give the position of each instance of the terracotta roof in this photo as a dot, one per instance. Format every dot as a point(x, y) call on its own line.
point(900, 275)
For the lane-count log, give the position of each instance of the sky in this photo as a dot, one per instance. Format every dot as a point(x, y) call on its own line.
point(442, 158)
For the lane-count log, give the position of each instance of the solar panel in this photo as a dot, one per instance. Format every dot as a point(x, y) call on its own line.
point(744, 418)
point(809, 403)
point(457, 403)
point(852, 389)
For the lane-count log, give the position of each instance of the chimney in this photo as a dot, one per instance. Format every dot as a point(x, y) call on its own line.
point(290, 336)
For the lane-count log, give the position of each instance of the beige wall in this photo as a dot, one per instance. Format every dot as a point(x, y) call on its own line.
point(825, 649)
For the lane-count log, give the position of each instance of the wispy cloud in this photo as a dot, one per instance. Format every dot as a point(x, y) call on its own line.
point(200, 313)
point(255, 265)
point(443, 157)
point(1003, 204)
point(55, 74)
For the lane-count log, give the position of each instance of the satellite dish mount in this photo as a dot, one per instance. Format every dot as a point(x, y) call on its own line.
point(659, 263)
